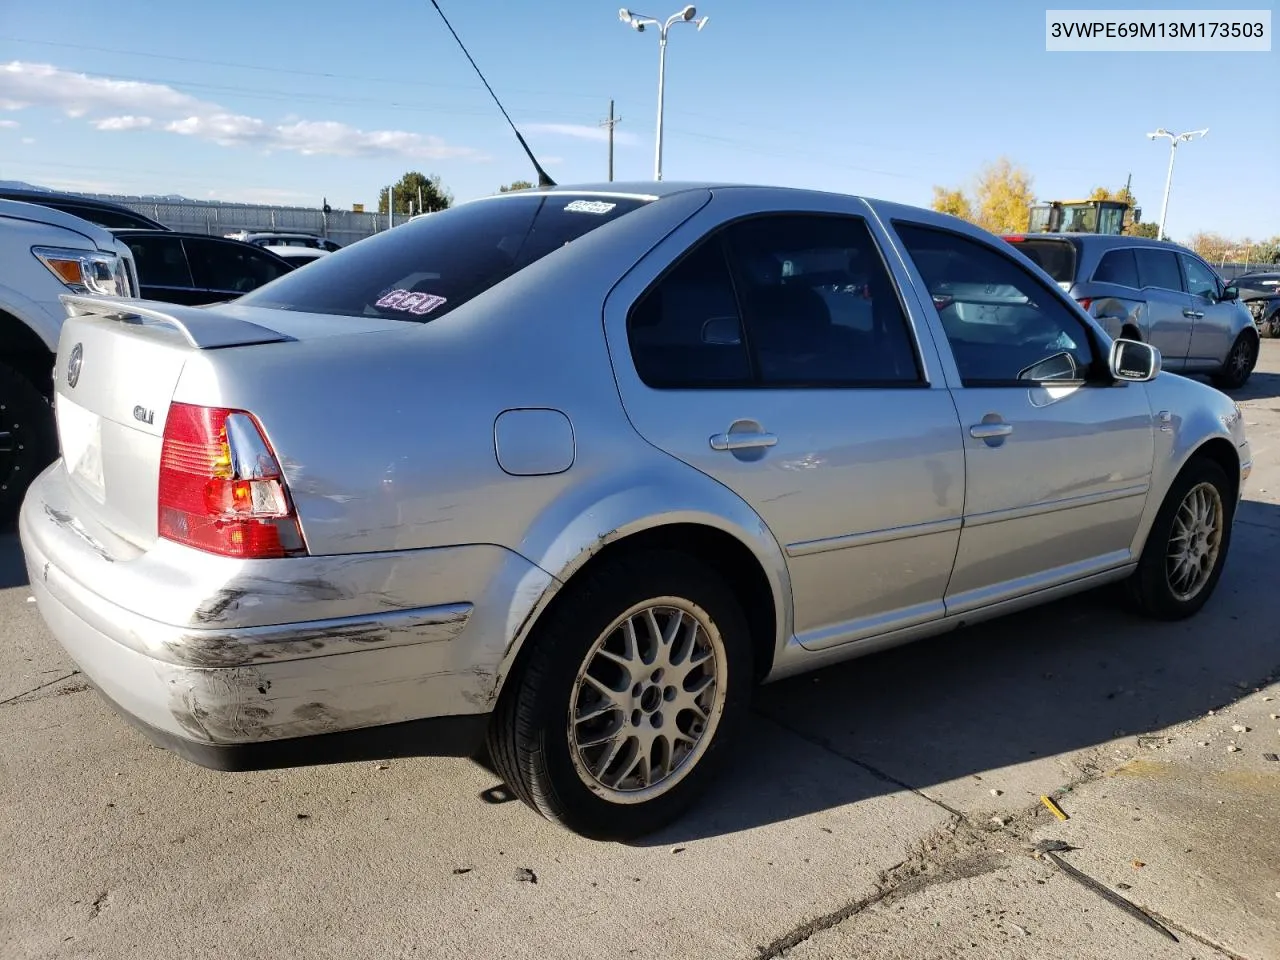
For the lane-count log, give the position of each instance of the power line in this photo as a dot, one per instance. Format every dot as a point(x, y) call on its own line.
point(325, 75)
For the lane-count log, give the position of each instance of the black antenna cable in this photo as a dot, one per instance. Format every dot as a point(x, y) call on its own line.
point(543, 179)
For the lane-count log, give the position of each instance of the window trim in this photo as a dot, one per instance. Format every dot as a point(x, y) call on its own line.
point(1098, 375)
point(719, 235)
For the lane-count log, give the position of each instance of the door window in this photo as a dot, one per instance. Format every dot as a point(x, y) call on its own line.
point(1201, 281)
point(1118, 267)
point(230, 266)
point(1004, 325)
point(1158, 268)
point(776, 301)
point(160, 261)
point(819, 305)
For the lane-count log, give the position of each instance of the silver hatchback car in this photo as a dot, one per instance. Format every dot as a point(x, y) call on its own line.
point(1157, 292)
point(567, 472)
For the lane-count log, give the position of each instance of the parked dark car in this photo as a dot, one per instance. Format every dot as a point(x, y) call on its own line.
point(1260, 292)
point(193, 268)
point(112, 216)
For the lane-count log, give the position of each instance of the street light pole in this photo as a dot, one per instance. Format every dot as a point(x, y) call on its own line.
point(638, 22)
point(1174, 140)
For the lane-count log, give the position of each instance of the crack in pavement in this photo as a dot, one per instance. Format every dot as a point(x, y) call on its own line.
point(41, 686)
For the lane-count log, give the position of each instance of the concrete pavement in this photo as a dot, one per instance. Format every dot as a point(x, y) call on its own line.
point(856, 820)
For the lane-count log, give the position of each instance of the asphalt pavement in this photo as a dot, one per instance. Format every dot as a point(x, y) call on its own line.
point(885, 808)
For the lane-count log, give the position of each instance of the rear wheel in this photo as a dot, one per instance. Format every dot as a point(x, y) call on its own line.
point(635, 683)
point(1187, 546)
point(28, 441)
point(1239, 364)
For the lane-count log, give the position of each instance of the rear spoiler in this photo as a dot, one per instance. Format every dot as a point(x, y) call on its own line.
point(203, 329)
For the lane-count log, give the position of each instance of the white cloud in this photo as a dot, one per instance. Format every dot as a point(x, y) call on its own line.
point(581, 131)
point(118, 105)
point(127, 122)
point(28, 140)
point(9, 124)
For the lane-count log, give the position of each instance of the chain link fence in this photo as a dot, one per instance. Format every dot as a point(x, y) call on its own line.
point(217, 219)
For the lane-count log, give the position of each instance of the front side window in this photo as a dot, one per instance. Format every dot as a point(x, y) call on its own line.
point(425, 268)
point(776, 301)
point(1201, 281)
point(1005, 326)
point(1158, 268)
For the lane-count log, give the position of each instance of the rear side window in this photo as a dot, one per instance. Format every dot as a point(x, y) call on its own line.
point(1057, 258)
point(1118, 267)
point(231, 267)
point(1158, 268)
point(160, 261)
point(423, 269)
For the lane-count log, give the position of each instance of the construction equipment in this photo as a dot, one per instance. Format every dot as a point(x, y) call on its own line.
point(1081, 216)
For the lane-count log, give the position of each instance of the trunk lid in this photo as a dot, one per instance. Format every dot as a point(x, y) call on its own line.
point(118, 366)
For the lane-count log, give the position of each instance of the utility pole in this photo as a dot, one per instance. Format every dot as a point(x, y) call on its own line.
point(609, 125)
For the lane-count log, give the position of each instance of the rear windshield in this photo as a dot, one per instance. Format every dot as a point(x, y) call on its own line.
point(423, 269)
point(1057, 258)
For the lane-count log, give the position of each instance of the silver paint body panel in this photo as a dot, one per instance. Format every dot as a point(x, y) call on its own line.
point(451, 477)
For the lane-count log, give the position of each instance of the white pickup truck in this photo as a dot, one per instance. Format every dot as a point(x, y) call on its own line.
point(43, 253)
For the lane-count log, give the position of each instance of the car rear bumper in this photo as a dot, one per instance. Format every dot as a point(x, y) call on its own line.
point(233, 664)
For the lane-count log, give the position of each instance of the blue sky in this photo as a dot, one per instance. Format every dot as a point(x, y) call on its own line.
point(291, 100)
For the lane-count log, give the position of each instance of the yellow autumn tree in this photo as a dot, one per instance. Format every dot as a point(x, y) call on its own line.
point(953, 202)
point(1003, 197)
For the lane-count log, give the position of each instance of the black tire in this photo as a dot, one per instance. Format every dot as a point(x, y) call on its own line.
point(28, 439)
point(529, 736)
point(1149, 586)
point(1240, 362)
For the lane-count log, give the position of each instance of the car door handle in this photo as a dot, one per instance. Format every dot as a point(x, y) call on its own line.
point(1193, 314)
point(742, 441)
point(986, 431)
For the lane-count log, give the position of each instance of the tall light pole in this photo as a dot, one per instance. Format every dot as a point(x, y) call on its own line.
point(1174, 140)
point(638, 22)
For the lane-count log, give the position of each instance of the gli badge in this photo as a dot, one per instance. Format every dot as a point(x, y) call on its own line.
point(74, 363)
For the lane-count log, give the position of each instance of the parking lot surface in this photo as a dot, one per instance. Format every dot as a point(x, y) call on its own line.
point(889, 807)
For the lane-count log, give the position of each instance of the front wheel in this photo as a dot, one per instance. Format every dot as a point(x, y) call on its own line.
point(1187, 545)
point(1238, 366)
point(636, 681)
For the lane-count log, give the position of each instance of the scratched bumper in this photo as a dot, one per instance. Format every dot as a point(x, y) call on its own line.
point(225, 653)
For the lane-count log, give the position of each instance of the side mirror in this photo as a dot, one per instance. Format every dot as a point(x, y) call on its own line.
point(1134, 360)
point(722, 331)
point(1231, 292)
point(1060, 366)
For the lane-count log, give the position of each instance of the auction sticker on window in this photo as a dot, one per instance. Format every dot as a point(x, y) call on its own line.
point(409, 301)
point(589, 206)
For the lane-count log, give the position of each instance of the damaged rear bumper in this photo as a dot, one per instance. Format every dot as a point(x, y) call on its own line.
point(254, 664)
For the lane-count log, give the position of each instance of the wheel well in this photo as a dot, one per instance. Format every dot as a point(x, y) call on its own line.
point(720, 551)
point(26, 353)
point(1222, 453)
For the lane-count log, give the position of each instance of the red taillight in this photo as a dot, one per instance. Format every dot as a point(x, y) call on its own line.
point(1085, 303)
point(1014, 239)
point(221, 487)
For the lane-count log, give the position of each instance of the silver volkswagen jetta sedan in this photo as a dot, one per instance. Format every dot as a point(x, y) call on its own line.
point(569, 471)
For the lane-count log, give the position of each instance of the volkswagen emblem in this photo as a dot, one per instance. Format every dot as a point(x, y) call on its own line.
point(73, 364)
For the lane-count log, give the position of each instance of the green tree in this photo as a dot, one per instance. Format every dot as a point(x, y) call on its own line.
point(517, 185)
point(412, 185)
point(1149, 229)
point(953, 202)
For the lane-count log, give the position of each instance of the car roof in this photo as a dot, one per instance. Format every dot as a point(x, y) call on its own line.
point(1100, 240)
point(38, 213)
point(43, 197)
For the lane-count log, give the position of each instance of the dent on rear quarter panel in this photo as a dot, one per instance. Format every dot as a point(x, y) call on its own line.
point(387, 438)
